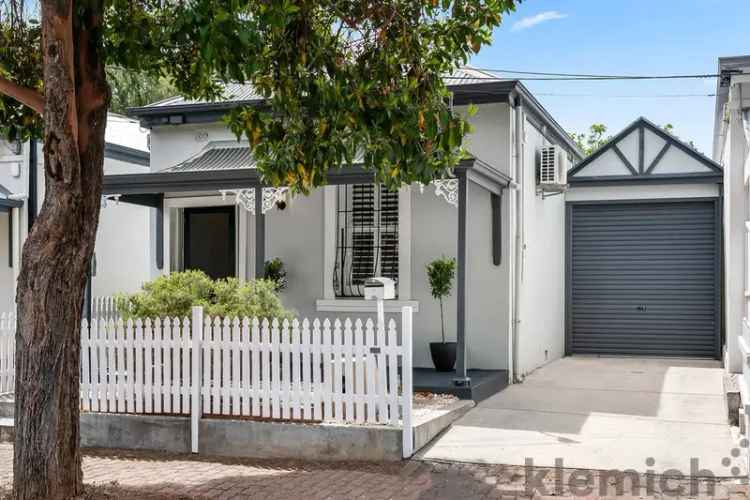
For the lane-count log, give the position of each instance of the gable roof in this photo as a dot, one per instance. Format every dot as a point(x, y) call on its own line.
point(468, 85)
point(245, 93)
point(644, 152)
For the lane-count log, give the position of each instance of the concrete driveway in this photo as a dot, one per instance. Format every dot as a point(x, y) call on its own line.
point(603, 413)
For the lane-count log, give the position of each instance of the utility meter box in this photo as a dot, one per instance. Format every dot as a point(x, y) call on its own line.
point(380, 288)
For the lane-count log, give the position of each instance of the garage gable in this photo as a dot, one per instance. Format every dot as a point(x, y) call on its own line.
point(644, 152)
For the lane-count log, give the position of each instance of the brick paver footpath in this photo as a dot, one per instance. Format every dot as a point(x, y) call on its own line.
point(116, 474)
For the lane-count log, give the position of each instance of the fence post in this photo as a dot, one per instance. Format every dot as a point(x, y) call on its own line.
point(406, 373)
point(195, 376)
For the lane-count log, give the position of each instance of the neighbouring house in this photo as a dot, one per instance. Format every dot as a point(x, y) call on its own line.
point(730, 148)
point(644, 236)
point(121, 259)
point(498, 215)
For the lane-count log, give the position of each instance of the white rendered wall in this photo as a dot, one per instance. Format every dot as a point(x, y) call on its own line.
point(296, 235)
point(735, 242)
point(541, 336)
point(642, 192)
point(123, 245)
point(7, 281)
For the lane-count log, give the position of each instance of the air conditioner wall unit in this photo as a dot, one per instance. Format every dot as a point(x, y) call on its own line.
point(552, 168)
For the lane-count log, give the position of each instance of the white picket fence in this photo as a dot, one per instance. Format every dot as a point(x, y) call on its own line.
point(104, 308)
point(7, 352)
point(338, 372)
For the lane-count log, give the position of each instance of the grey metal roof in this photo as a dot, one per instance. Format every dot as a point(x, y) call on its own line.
point(469, 76)
point(233, 92)
point(244, 92)
point(469, 85)
point(219, 155)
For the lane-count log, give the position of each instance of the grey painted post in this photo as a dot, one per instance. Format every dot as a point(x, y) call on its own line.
point(461, 296)
point(260, 234)
point(87, 302)
point(160, 234)
point(10, 237)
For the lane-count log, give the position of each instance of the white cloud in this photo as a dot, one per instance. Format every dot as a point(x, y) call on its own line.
point(542, 17)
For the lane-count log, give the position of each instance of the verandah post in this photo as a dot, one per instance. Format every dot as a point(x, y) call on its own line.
point(406, 380)
point(195, 376)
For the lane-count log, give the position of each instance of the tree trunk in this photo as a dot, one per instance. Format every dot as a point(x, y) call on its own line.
point(55, 259)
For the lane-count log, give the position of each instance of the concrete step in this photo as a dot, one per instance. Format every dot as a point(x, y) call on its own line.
point(7, 430)
point(7, 408)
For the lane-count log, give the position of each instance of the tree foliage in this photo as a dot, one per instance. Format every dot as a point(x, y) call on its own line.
point(20, 63)
point(596, 137)
point(133, 89)
point(344, 80)
point(590, 141)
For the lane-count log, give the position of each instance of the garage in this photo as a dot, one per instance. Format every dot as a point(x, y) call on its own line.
point(643, 243)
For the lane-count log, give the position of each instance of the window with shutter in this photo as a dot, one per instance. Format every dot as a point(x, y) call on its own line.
point(366, 237)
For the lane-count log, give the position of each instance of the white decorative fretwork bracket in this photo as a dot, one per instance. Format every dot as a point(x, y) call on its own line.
point(446, 189)
point(107, 197)
point(246, 197)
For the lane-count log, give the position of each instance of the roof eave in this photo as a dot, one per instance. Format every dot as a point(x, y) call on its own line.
point(152, 183)
point(478, 93)
point(722, 94)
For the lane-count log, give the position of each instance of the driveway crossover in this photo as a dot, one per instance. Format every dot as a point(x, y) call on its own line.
point(649, 415)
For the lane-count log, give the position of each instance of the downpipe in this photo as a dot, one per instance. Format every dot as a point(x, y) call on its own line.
point(519, 236)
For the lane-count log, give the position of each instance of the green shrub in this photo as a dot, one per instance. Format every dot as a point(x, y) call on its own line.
point(174, 294)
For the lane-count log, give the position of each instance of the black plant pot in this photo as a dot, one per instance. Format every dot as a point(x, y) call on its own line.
point(443, 355)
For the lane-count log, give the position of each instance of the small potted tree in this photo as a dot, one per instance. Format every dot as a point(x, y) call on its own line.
point(440, 273)
point(276, 272)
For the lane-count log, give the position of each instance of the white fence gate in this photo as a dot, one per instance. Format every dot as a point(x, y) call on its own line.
point(343, 372)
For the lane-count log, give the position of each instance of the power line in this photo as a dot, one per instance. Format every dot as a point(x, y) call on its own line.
point(634, 96)
point(598, 76)
point(490, 92)
point(583, 79)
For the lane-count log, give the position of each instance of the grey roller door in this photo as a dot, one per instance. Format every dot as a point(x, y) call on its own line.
point(643, 278)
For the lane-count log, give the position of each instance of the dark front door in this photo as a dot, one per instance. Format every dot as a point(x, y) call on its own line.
point(644, 278)
point(210, 241)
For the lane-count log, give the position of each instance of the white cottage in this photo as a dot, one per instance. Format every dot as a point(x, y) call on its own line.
point(123, 229)
point(212, 212)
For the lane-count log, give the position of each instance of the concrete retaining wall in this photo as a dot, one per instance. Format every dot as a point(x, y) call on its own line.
point(242, 438)
point(135, 432)
point(254, 439)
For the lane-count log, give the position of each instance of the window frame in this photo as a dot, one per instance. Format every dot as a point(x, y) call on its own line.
point(358, 223)
point(329, 302)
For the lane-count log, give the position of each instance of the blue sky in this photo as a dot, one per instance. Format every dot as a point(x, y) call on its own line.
point(623, 37)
